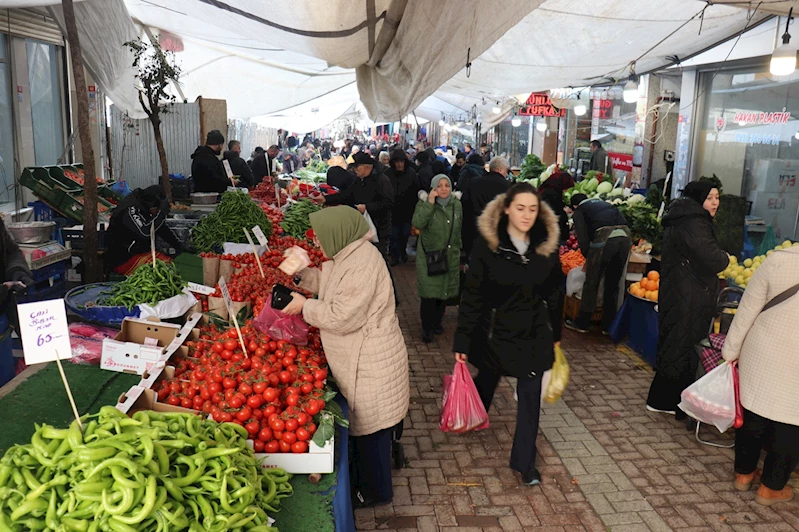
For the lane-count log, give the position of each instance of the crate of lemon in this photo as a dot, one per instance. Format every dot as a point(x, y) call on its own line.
point(739, 274)
point(647, 288)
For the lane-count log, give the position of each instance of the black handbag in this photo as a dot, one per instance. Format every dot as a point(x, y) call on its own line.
point(437, 262)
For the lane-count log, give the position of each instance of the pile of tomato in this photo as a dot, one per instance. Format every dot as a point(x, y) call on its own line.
point(275, 215)
point(275, 392)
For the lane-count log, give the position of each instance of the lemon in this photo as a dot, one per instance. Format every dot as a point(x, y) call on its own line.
point(769, 253)
point(748, 262)
point(748, 273)
point(786, 244)
point(740, 280)
point(795, 244)
point(733, 259)
point(778, 248)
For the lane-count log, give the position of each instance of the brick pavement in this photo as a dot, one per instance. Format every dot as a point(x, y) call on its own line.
point(607, 463)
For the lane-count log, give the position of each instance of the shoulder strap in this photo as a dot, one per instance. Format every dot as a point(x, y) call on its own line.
point(451, 227)
point(780, 298)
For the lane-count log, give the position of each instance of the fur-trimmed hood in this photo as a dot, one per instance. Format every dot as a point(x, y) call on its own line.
point(488, 225)
point(423, 195)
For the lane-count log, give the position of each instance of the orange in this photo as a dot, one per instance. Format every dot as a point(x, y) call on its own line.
point(648, 295)
point(654, 296)
point(653, 276)
point(645, 284)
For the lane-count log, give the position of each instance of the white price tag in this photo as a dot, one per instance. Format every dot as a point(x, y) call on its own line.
point(226, 294)
point(259, 234)
point(44, 331)
point(228, 170)
point(201, 289)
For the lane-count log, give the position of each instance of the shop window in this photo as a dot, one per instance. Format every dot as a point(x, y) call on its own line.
point(46, 102)
point(748, 138)
point(6, 126)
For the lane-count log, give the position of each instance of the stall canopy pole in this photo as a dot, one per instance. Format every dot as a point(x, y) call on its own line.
point(90, 257)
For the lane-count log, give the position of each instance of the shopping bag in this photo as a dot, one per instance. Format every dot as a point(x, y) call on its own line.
point(711, 399)
point(279, 326)
point(462, 409)
point(372, 234)
point(559, 378)
point(739, 409)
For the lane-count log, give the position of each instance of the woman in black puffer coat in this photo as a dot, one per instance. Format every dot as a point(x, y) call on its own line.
point(689, 285)
point(510, 314)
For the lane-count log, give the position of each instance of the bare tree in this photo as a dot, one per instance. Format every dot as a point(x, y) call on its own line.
point(157, 69)
point(90, 258)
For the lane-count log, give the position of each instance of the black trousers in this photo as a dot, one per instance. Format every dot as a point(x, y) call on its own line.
point(780, 439)
point(528, 413)
point(432, 313)
point(370, 465)
point(611, 265)
point(382, 247)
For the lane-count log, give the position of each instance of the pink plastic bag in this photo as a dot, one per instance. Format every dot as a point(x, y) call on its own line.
point(711, 399)
point(279, 326)
point(87, 342)
point(461, 407)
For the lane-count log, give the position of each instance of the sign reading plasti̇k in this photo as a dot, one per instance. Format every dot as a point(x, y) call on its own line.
point(44, 331)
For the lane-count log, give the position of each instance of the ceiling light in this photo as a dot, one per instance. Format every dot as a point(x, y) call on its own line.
point(783, 60)
point(496, 109)
point(441, 122)
point(541, 126)
point(448, 127)
point(631, 92)
point(516, 121)
point(796, 135)
point(580, 110)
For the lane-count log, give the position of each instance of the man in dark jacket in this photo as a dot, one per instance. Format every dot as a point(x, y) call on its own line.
point(239, 166)
point(372, 192)
point(425, 169)
point(206, 168)
point(474, 167)
point(604, 241)
point(460, 161)
point(481, 191)
point(406, 190)
point(131, 222)
point(600, 161)
point(340, 178)
point(265, 163)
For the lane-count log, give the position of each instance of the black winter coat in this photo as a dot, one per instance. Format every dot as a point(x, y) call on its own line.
point(374, 191)
point(240, 168)
point(691, 261)
point(479, 192)
point(467, 173)
point(510, 312)
point(340, 178)
point(207, 171)
point(554, 199)
point(425, 173)
point(406, 194)
point(261, 167)
point(592, 215)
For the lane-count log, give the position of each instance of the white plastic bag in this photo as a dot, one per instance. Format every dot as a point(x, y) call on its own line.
point(711, 399)
point(174, 307)
point(372, 229)
point(232, 248)
point(575, 280)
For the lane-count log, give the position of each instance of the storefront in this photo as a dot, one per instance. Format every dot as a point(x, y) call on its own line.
point(747, 134)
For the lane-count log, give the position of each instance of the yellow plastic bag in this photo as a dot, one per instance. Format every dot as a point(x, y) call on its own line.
point(559, 378)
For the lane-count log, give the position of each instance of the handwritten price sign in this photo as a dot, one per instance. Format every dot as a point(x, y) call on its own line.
point(44, 331)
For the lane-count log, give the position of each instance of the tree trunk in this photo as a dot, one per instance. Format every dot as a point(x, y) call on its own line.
point(90, 258)
point(159, 143)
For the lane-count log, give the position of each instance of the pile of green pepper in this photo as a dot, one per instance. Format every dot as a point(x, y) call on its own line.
point(296, 221)
point(149, 284)
point(236, 211)
point(151, 472)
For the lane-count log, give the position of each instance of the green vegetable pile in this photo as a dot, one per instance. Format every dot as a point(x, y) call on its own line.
point(296, 221)
point(532, 167)
point(317, 166)
point(149, 284)
point(642, 219)
point(226, 224)
point(151, 472)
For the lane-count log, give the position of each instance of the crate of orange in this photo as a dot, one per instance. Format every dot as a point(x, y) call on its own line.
point(648, 288)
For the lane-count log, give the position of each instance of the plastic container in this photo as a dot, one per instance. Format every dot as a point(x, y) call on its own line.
point(182, 187)
point(42, 212)
point(82, 301)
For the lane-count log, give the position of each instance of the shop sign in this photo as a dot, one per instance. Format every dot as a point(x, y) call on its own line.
point(743, 119)
point(602, 109)
point(757, 138)
point(787, 180)
point(540, 104)
point(621, 161)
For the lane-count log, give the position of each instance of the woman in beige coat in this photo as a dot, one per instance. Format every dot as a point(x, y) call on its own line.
point(356, 316)
point(764, 344)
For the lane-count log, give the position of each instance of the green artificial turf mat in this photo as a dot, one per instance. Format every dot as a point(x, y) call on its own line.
point(42, 399)
point(190, 267)
point(310, 507)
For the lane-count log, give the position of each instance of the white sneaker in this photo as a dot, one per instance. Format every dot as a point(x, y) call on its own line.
point(672, 412)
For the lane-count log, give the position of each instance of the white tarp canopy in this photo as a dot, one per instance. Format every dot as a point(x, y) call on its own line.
point(264, 56)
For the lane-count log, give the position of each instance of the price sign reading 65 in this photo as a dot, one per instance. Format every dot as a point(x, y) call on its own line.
point(44, 331)
point(44, 339)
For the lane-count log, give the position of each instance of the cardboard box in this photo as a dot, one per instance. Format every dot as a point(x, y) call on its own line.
point(142, 344)
point(138, 398)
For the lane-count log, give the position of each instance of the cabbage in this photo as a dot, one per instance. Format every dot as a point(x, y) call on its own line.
point(635, 198)
point(604, 188)
point(591, 185)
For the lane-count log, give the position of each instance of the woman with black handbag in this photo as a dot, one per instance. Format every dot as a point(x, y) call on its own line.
point(438, 216)
point(510, 314)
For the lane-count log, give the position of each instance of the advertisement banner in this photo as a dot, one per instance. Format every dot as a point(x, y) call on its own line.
point(621, 161)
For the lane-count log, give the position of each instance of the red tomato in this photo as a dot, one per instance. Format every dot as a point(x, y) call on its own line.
point(312, 408)
point(260, 352)
point(272, 347)
point(277, 424)
point(214, 387)
point(253, 427)
point(306, 388)
point(299, 447)
point(292, 424)
point(245, 388)
point(269, 410)
point(218, 416)
point(270, 394)
point(235, 402)
point(252, 347)
point(257, 413)
point(226, 417)
point(303, 434)
point(265, 434)
point(259, 387)
point(293, 399)
point(258, 446)
point(289, 437)
point(277, 434)
point(272, 447)
point(163, 393)
point(319, 385)
point(226, 355)
point(285, 377)
point(232, 334)
point(254, 401)
point(244, 414)
point(217, 347)
point(285, 447)
point(303, 419)
point(229, 383)
point(320, 374)
point(307, 377)
point(173, 400)
point(311, 428)
point(231, 345)
point(281, 344)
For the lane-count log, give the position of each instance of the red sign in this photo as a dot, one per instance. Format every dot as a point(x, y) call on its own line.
point(621, 161)
point(602, 109)
point(539, 104)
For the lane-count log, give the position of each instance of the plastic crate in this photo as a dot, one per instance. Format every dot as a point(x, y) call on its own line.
point(181, 188)
point(75, 237)
point(42, 212)
point(56, 271)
